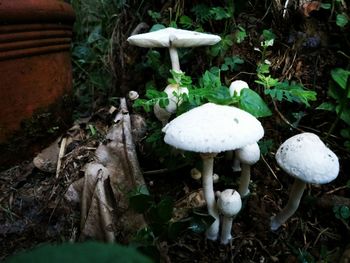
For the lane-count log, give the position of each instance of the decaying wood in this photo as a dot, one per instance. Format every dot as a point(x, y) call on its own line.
point(103, 191)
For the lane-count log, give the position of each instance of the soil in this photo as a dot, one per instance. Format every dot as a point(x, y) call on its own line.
point(33, 210)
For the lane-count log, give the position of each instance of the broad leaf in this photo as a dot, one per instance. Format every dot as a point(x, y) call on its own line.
point(79, 253)
point(251, 102)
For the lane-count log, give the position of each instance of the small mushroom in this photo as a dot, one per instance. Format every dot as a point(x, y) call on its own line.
point(133, 95)
point(235, 89)
point(210, 129)
point(306, 158)
point(248, 155)
point(229, 204)
point(174, 93)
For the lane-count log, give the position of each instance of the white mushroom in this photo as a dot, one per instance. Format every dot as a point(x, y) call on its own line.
point(174, 93)
point(248, 155)
point(196, 174)
point(210, 129)
point(235, 89)
point(308, 160)
point(229, 204)
point(173, 38)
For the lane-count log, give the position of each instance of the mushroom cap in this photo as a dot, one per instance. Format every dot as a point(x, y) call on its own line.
point(249, 154)
point(174, 101)
point(237, 86)
point(212, 128)
point(306, 157)
point(173, 37)
point(229, 202)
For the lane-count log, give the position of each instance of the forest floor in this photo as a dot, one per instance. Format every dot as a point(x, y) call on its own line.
point(33, 209)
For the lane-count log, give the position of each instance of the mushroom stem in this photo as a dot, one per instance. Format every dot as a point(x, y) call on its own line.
point(174, 57)
point(295, 195)
point(236, 167)
point(244, 180)
point(209, 195)
point(226, 230)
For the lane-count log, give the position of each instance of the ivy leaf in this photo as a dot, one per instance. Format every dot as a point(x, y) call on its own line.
point(220, 95)
point(251, 102)
point(156, 27)
point(186, 21)
point(340, 76)
point(240, 35)
point(345, 115)
point(342, 20)
point(328, 106)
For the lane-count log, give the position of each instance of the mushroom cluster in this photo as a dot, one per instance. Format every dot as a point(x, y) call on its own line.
point(172, 38)
point(210, 129)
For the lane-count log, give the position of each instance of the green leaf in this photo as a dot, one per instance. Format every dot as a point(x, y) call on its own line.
point(232, 63)
point(79, 253)
point(240, 34)
point(200, 222)
point(344, 212)
point(163, 211)
point(345, 115)
point(95, 35)
point(342, 20)
point(328, 106)
point(186, 21)
point(326, 5)
point(340, 76)
point(156, 27)
point(220, 95)
point(251, 102)
point(202, 12)
point(220, 13)
point(140, 202)
point(346, 134)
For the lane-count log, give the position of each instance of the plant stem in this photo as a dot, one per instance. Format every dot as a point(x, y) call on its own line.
point(244, 180)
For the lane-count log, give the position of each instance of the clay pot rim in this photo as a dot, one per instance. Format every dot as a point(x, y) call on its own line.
point(35, 11)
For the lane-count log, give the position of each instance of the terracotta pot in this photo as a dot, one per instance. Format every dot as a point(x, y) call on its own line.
point(35, 63)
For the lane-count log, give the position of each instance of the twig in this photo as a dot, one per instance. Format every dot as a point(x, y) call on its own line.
point(60, 155)
point(336, 189)
point(284, 118)
point(273, 173)
point(319, 235)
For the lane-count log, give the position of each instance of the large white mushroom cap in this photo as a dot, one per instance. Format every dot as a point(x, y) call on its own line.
point(173, 37)
point(307, 158)
point(212, 128)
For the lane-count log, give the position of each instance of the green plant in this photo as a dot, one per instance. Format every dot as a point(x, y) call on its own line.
point(159, 216)
point(339, 91)
point(337, 7)
point(342, 212)
point(276, 89)
point(81, 252)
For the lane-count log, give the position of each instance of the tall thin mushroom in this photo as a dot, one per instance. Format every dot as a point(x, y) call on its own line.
point(172, 38)
point(306, 158)
point(210, 129)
